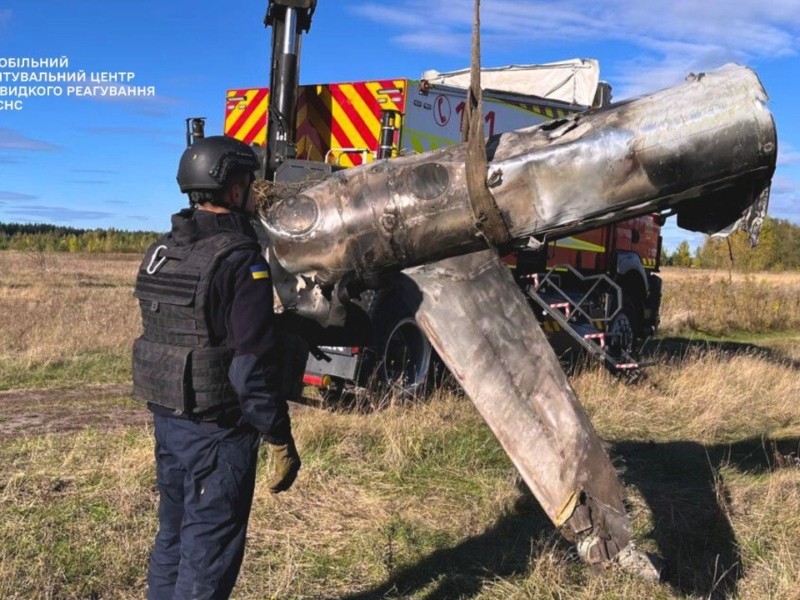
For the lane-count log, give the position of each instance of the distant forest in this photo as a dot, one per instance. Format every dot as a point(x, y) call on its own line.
point(778, 249)
point(53, 238)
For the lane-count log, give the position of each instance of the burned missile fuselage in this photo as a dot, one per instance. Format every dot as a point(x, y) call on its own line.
point(706, 148)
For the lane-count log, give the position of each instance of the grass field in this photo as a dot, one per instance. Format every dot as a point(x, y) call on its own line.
point(416, 500)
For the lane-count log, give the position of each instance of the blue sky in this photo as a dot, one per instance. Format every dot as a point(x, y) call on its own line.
point(103, 162)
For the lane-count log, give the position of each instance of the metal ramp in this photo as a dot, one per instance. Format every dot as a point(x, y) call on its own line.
point(580, 316)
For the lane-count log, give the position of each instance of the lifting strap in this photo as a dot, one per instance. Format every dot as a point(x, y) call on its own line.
point(487, 215)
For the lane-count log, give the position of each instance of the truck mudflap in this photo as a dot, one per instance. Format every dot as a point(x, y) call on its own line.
point(504, 363)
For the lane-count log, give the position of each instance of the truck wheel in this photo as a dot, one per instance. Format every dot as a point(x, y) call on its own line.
point(405, 357)
point(625, 328)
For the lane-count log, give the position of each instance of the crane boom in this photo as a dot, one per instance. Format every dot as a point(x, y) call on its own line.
point(288, 19)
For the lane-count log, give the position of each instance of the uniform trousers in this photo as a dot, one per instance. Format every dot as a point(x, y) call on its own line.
point(206, 476)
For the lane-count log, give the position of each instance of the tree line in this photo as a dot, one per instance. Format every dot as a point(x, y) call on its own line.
point(54, 238)
point(778, 249)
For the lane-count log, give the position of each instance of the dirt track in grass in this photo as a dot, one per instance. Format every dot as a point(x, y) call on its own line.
point(36, 412)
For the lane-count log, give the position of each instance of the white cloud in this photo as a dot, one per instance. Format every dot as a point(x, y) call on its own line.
point(13, 140)
point(446, 43)
point(650, 73)
point(665, 41)
point(788, 155)
point(4, 195)
point(677, 36)
point(784, 200)
point(57, 214)
point(397, 17)
point(781, 184)
point(756, 27)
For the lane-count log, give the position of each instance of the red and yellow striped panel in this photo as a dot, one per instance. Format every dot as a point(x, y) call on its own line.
point(343, 118)
point(246, 115)
point(340, 121)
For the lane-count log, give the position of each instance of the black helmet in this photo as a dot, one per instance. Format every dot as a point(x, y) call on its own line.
point(208, 163)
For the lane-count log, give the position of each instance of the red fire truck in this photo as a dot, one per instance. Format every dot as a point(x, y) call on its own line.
point(597, 290)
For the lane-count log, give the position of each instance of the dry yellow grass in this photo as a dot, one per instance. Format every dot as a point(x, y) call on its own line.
point(66, 319)
point(721, 303)
point(418, 500)
point(789, 280)
point(55, 305)
point(708, 394)
point(413, 501)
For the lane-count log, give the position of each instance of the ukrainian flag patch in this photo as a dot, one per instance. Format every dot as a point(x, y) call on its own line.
point(259, 272)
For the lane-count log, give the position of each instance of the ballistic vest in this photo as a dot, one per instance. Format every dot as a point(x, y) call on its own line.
point(174, 363)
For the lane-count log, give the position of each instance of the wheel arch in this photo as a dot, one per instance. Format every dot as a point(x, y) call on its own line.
point(631, 276)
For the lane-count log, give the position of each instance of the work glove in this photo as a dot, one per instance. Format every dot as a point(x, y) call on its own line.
point(286, 463)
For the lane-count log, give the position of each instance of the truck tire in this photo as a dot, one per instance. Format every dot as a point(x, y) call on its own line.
point(405, 359)
point(627, 325)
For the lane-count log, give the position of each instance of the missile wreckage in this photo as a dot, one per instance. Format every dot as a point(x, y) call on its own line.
point(704, 150)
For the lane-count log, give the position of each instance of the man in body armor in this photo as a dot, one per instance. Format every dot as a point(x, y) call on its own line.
point(207, 365)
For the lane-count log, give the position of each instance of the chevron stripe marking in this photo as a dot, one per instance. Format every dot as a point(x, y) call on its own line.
point(369, 109)
point(239, 117)
point(317, 118)
point(374, 87)
point(337, 135)
point(328, 116)
point(231, 107)
point(309, 142)
point(349, 118)
point(302, 110)
point(401, 85)
point(255, 129)
point(252, 103)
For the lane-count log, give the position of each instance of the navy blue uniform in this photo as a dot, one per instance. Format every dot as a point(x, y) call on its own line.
point(206, 466)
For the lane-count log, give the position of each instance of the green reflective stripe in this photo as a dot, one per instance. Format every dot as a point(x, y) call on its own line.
point(422, 142)
point(573, 243)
